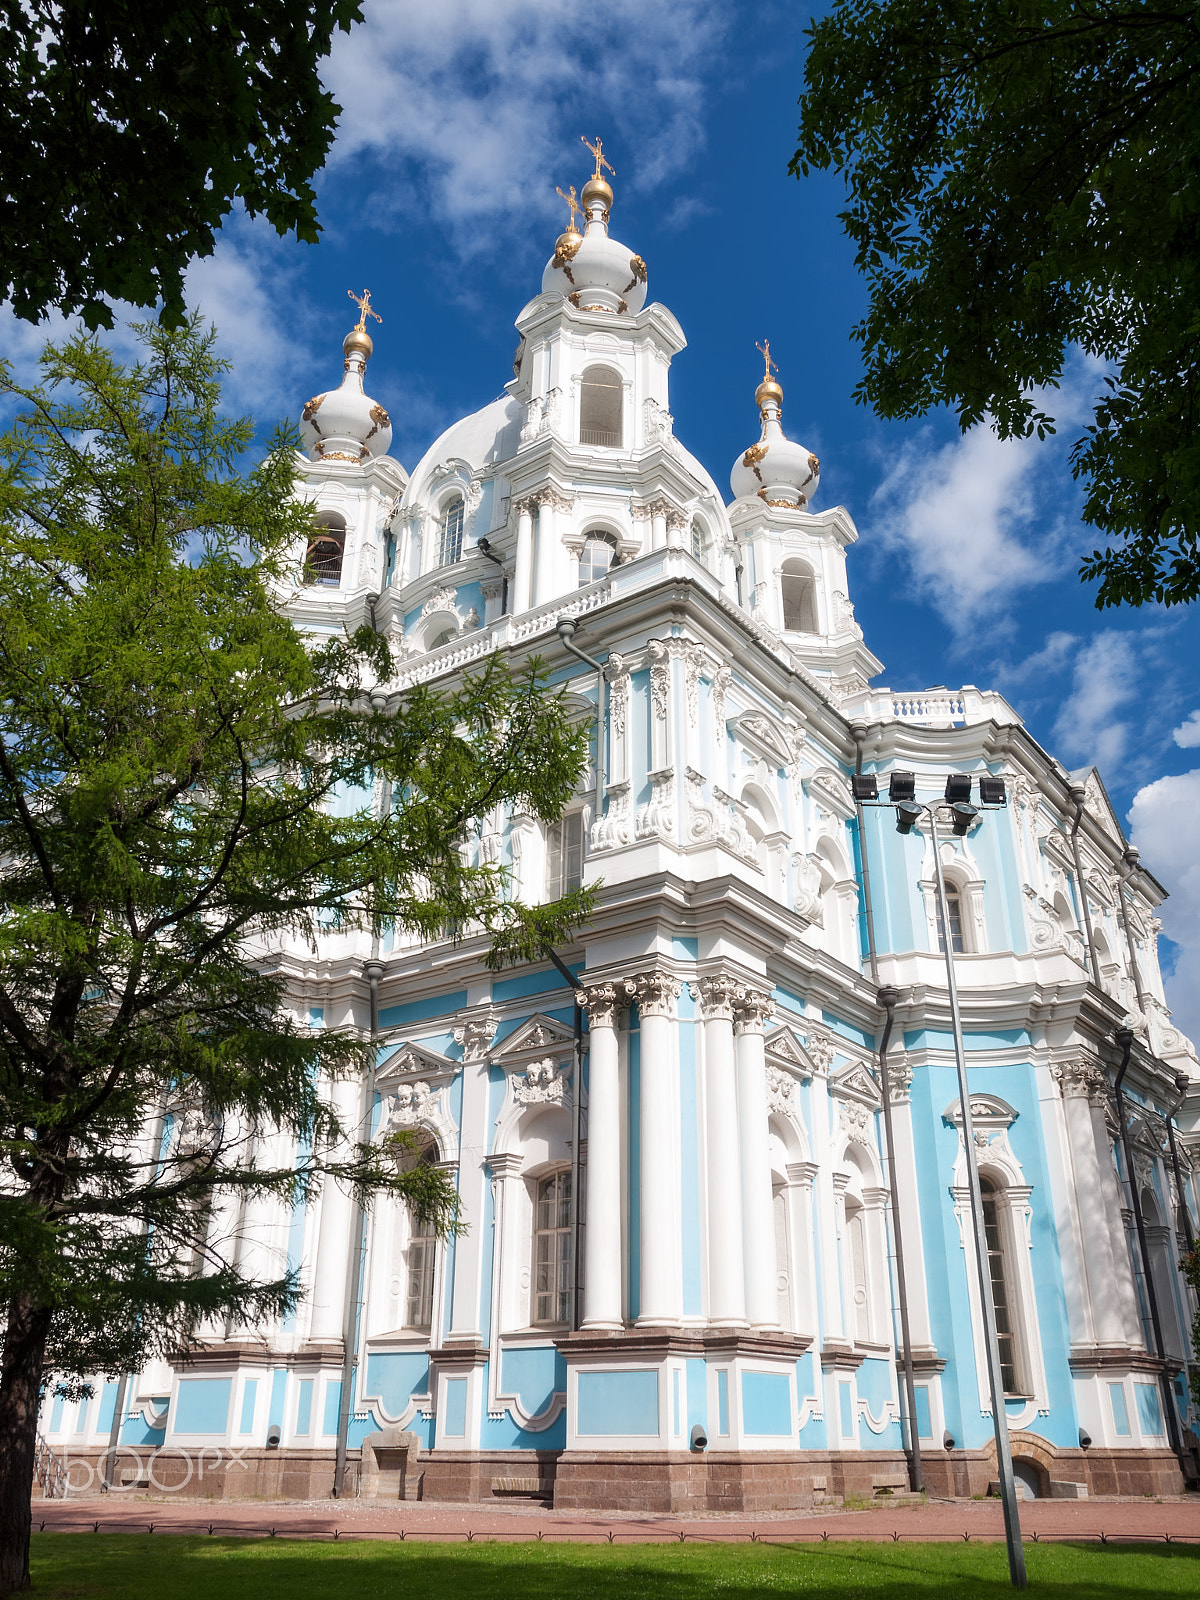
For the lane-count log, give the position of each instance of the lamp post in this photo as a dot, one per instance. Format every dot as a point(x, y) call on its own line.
point(902, 793)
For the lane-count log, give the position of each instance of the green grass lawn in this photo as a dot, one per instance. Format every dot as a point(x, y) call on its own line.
point(164, 1567)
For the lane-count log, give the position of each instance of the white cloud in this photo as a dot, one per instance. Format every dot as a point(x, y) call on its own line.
point(1165, 824)
point(1187, 734)
point(1105, 679)
point(475, 106)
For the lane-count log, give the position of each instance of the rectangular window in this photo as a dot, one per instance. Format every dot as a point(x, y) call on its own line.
point(420, 1258)
point(954, 908)
point(564, 855)
point(452, 533)
point(552, 1250)
point(1005, 1336)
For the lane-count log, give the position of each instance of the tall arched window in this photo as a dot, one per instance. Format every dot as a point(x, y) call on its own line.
point(1002, 1290)
point(600, 393)
point(954, 911)
point(595, 559)
point(799, 593)
point(323, 560)
point(552, 1249)
point(450, 546)
point(564, 855)
point(698, 539)
point(419, 1260)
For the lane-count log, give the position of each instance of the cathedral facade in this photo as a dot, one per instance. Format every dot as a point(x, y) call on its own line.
point(677, 1283)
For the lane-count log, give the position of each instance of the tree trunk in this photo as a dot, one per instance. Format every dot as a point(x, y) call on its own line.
point(20, 1395)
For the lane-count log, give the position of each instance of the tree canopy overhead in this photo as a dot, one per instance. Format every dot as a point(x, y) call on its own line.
point(189, 789)
point(130, 129)
point(1024, 177)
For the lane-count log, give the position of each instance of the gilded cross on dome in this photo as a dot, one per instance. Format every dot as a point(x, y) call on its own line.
point(363, 302)
point(597, 150)
point(573, 203)
point(764, 350)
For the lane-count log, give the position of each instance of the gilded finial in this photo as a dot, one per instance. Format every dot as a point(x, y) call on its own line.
point(764, 350)
point(769, 388)
point(363, 302)
point(597, 150)
point(571, 200)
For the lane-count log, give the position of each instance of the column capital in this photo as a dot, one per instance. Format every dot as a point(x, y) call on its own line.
point(1080, 1079)
point(475, 1033)
point(602, 1001)
point(717, 995)
point(752, 1010)
point(655, 993)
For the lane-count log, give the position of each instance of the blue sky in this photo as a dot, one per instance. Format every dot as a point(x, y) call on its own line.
point(460, 118)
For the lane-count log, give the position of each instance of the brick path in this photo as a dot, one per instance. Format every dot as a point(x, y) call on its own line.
point(935, 1519)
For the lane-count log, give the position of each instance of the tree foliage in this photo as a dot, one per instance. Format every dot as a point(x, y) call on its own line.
point(1023, 178)
point(130, 129)
point(188, 787)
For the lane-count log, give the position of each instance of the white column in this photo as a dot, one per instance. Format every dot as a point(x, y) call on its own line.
point(758, 1217)
point(1099, 1264)
point(474, 1033)
point(524, 573)
point(334, 1244)
point(659, 1298)
point(262, 1247)
point(658, 524)
point(677, 525)
point(1125, 1291)
point(726, 1282)
point(545, 551)
point(602, 1234)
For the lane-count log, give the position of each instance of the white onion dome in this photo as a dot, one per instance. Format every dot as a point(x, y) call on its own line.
point(592, 270)
point(345, 424)
point(775, 469)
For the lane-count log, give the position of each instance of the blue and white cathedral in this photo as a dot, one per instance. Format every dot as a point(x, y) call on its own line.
point(678, 1290)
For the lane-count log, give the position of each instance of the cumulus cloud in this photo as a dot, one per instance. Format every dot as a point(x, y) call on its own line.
point(1165, 827)
point(470, 110)
point(1091, 725)
point(1187, 734)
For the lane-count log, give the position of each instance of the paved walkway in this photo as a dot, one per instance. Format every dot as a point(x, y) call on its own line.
point(934, 1519)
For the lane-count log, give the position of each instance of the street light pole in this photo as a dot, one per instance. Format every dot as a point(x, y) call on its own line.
point(1008, 1487)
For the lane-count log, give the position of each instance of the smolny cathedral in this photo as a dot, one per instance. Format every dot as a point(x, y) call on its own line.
point(679, 1290)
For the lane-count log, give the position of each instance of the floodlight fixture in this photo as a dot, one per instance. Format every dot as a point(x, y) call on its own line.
point(992, 791)
point(864, 786)
point(958, 788)
point(902, 786)
point(906, 814)
point(964, 816)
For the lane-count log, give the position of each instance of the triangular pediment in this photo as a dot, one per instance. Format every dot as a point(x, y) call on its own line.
point(855, 1083)
point(784, 1049)
point(765, 737)
point(414, 1060)
point(539, 1035)
point(1097, 804)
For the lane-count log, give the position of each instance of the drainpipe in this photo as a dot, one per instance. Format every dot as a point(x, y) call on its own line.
point(888, 998)
point(1183, 1084)
point(1077, 793)
point(568, 977)
point(858, 732)
point(1125, 1038)
point(484, 546)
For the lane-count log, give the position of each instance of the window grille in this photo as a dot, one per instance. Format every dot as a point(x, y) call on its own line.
point(954, 908)
point(450, 549)
point(998, 1268)
point(552, 1249)
point(600, 396)
point(595, 560)
point(564, 855)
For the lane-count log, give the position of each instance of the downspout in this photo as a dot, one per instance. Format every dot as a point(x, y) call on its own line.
point(858, 732)
point(1125, 1038)
point(888, 998)
point(568, 977)
point(1077, 793)
point(484, 546)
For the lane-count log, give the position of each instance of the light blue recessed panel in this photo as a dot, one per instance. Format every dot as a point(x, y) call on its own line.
point(203, 1405)
point(249, 1400)
point(617, 1403)
point(767, 1403)
point(1148, 1409)
point(456, 1408)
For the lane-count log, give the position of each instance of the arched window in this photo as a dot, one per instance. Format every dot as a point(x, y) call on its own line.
point(323, 560)
point(799, 592)
point(450, 545)
point(596, 558)
point(600, 394)
point(954, 912)
point(698, 539)
point(552, 1249)
point(564, 855)
point(442, 638)
point(419, 1259)
point(1002, 1290)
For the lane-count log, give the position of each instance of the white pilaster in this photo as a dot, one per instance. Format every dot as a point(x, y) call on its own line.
point(758, 1219)
point(659, 1298)
point(523, 578)
point(726, 1281)
point(474, 1033)
point(602, 1275)
point(334, 1244)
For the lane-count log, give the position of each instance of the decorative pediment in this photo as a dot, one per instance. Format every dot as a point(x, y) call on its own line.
point(413, 1060)
point(989, 1113)
point(537, 1038)
point(832, 790)
point(764, 737)
point(855, 1083)
point(784, 1049)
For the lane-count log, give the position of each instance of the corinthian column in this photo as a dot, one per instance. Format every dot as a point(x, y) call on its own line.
point(659, 1299)
point(1078, 1082)
point(331, 1274)
point(602, 1275)
point(523, 578)
point(726, 1285)
point(758, 1212)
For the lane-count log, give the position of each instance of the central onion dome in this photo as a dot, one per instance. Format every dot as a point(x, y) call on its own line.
point(774, 469)
point(590, 269)
point(345, 424)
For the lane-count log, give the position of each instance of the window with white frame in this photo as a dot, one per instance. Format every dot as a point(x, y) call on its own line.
point(552, 1254)
point(596, 558)
point(326, 549)
point(698, 540)
point(420, 1257)
point(564, 855)
point(1003, 1295)
point(600, 394)
point(954, 912)
point(799, 593)
point(450, 545)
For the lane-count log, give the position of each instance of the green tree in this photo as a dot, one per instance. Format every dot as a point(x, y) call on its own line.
point(130, 129)
point(1023, 177)
point(176, 762)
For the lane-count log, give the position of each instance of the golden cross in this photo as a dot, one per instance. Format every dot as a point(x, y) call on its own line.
point(597, 150)
point(764, 350)
point(363, 302)
point(573, 203)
